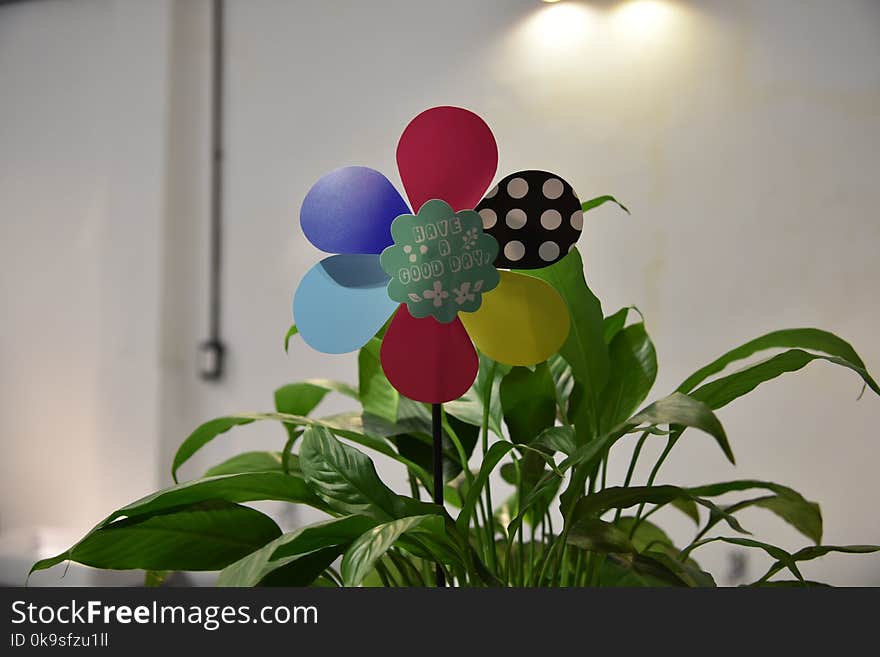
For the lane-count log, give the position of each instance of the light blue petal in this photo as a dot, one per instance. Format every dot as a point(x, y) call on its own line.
point(341, 302)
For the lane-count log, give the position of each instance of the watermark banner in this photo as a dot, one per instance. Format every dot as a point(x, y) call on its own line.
point(117, 620)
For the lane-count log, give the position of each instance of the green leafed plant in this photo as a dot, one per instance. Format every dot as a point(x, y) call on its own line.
point(543, 435)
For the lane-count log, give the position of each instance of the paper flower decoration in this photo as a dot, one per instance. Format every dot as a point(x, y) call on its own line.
point(436, 270)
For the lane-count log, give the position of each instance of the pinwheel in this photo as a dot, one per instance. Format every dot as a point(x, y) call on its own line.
point(436, 270)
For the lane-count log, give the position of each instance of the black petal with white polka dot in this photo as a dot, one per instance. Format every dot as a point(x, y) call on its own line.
point(535, 216)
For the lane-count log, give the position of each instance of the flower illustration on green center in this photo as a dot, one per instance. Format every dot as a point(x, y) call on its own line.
point(441, 261)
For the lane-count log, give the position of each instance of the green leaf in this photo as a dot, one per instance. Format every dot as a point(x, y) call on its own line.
point(204, 434)
point(595, 504)
point(686, 570)
point(776, 552)
point(586, 206)
point(790, 583)
point(411, 434)
point(584, 349)
point(528, 400)
point(418, 448)
point(787, 503)
point(365, 430)
point(724, 390)
point(289, 548)
point(304, 570)
point(344, 477)
point(684, 410)
point(646, 536)
point(248, 462)
point(651, 569)
point(361, 557)
point(244, 487)
point(802, 338)
point(629, 571)
point(676, 409)
point(290, 333)
point(558, 439)
point(613, 324)
point(378, 397)
point(799, 513)
point(633, 371)
point(563, 379)
point(469, 407)
point(208, 536)
point(814, 552)
point(495, 453)
point(346, 425)
point(590, 533)
point(688, 508)
point(302, 398)
point(533, 467)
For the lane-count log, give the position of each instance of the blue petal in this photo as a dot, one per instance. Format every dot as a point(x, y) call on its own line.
point(350, 210)
point(341, 302)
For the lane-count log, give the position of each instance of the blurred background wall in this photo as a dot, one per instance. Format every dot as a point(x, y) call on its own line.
point(742, 134)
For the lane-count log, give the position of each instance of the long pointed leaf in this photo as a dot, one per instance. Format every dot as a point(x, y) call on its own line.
point(493, 456)
point(799, 338)
point(360, 558)
point(584, 349)
point(280, 553)
point(595, 504)
point(724, 390)
point(199, 537)
point(344, 477)
point(816, 551)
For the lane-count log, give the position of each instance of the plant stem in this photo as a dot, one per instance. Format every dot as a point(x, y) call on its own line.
point(632, 467)
point(480, 531)
point(383, 574)
point(590, 567)
point(669, 445)
point(597, 570)
point(522, 559)
point(484, 430)
point(531, 559)
point(437, 429)
point(563, 576)
point(578, 567)
point(413, 486)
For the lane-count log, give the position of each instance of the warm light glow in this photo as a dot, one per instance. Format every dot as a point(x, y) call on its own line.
point(642, 19)
point(599, 65)
point(561, 26)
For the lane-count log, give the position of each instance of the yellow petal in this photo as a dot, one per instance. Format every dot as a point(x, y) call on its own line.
point(523, 321)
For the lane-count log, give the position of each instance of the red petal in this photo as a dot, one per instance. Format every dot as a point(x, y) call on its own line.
point(447, 153)
point(426, 360)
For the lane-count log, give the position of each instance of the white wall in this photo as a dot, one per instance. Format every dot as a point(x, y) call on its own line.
point(743, 136)
point(82, 147)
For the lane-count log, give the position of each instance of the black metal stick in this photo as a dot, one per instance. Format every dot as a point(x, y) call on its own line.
point(436, 426)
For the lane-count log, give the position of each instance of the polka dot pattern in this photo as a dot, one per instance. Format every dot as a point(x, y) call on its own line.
point(517, 187)
point(516, 219)
point(535, 216)
point(514, 250)
point(553, 188)
point(548, 251)
point(551, 219)
point(489, 218)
